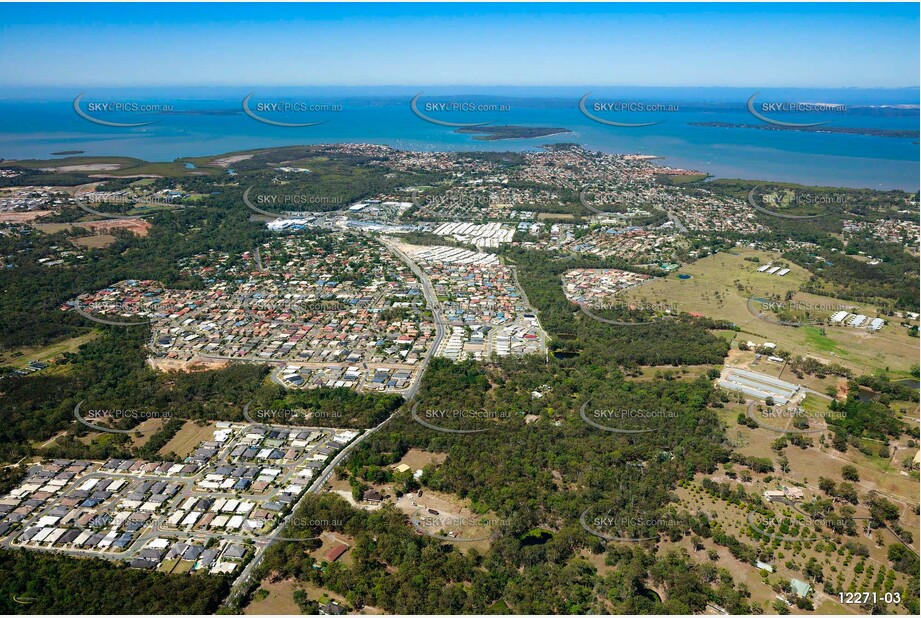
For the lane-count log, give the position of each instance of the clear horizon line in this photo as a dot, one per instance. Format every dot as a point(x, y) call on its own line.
point(452, 85)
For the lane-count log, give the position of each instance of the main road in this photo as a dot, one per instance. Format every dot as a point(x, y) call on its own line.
point(429, 292)
point(243, 580)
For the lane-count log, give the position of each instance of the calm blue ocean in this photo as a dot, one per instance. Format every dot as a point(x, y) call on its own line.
point(36, 126)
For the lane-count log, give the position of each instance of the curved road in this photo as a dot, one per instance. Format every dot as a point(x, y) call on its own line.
point(429, 292)
point(92, 318)
point(762, 210)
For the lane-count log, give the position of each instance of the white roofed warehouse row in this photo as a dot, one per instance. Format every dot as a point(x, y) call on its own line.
point(759, 385)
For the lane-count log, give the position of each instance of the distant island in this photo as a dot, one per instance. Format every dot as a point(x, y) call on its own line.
point(67, 152)
point(819, 129)
point(494, 133)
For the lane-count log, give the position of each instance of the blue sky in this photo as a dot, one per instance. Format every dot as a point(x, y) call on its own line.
point(783, 45)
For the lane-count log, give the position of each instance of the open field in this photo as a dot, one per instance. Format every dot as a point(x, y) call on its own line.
point(806, 465)
point(685, 372)
point(53, 228)
point(94, 242)
point(315, 593)
point(167, 566)
point(322, 595)
point(21, 357)
point(278, 600)
point(147, 429)
point(117, 167)
point(187, 438)
point(721, 284)
point(138, 227)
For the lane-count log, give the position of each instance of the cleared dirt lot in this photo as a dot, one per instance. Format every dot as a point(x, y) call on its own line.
point(94, 242)
point(195, 364)
point(417, 459)
point(23, 217)
point(454, 521)
point(89, 167)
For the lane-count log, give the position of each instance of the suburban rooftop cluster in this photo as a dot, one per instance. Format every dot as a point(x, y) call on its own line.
point(597, 286)
point(209, 510)
point(311, 303)
point(482, 303)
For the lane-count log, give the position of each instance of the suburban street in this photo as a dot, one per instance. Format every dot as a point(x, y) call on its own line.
point(432, 299)
point(155, 527)
point(244, 578)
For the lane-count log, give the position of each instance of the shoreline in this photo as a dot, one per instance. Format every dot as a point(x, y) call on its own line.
point(711, 173)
